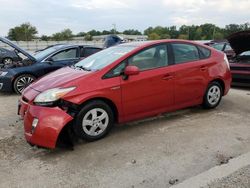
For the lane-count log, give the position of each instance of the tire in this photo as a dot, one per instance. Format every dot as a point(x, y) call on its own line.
point(7, 61)
point(212, 96)
point(22, 81)
point(94, 121)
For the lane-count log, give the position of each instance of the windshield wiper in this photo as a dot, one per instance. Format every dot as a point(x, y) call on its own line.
point(82, 67)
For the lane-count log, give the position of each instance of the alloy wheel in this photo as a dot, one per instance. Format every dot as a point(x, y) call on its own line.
point(23, 82)
point(214, 94)
point(95, 122)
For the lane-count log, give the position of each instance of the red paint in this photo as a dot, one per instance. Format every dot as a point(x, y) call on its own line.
point(148, 93)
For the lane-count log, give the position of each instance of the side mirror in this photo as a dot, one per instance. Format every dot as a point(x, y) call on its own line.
point(131, 70)
point(49, 60)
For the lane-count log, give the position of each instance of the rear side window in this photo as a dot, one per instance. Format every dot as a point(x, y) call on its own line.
point(89, 51)
point(185, 53)
point(204, 52)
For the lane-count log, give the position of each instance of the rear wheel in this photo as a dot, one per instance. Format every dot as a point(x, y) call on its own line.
point(213, 95)
point(94, 121)
point(23, 81)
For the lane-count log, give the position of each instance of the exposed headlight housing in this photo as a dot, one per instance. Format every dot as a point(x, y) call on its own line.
point(2, 73)
point(50, 96)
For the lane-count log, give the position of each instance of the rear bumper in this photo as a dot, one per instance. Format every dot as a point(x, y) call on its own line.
point(50, 123)
point(5, 84)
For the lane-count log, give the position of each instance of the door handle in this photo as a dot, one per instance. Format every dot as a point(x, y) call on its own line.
point(168, 77)
point(203, 68)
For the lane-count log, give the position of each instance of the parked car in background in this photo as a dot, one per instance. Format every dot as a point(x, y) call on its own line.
point(16, 76)
point(240, 64)
point(223, 46)
point(120, 84)
point(112, 40)
point(7, 57)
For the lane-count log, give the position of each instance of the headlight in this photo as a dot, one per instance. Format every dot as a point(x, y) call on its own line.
point(3, 73)
point(50, 96)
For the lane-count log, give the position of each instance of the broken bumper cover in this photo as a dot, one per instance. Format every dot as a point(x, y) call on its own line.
point(49, 123)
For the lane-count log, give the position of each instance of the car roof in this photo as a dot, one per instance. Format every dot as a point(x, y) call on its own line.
point(73, 45)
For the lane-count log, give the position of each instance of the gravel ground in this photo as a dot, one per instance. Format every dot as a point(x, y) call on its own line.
point(239, 179)
point(156, 152)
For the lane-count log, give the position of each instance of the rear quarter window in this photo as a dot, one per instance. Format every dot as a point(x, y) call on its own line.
point(89, 51)
point(204, 52)
point(185, 52)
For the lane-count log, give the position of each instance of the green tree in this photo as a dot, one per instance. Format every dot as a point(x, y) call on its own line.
point(24, 32)
point(45, 38)
point(88, 37)
point(80, 34)
point(183, 36)
point(66, 34)
point(132, 32)
point(153, 36)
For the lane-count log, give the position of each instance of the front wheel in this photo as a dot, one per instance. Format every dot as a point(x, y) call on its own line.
point(94, 121)
point(23, 81)
point(212, 96)
point(7, 61)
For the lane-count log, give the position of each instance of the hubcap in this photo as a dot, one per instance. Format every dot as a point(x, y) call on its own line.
point(95, 122)
point(23, 82)
point(214, 94)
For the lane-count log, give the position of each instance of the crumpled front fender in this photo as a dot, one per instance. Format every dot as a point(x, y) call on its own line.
point(50, 123)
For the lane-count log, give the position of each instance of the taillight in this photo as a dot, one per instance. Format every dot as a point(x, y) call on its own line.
point(226, 61)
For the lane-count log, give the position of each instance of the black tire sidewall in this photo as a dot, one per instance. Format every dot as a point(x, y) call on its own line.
point(206, 103)
point(18, 78)
point(77, 126)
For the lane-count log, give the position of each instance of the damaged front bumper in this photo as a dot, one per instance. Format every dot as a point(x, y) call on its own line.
point(42, 125)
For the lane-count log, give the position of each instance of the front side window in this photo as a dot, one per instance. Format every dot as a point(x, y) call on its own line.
point(151, 58)
point(65, 54)
point(185, 53)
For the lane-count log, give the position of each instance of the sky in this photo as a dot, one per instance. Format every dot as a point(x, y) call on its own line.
point(50, 16)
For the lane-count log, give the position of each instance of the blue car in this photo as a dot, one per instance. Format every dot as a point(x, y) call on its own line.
point(18, 75)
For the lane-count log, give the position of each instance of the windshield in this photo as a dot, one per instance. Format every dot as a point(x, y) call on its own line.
point(44, 53)
point(104, 58)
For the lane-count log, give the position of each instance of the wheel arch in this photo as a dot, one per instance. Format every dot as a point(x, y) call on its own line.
point(221, 82)
point(107, 101)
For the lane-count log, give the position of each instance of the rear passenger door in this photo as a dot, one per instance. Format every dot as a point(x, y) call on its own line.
point(191, 72)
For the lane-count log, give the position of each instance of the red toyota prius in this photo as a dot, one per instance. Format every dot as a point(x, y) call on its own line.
point(120, 84)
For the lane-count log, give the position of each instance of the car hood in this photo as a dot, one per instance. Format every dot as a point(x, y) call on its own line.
point(64, 77)
point(8, 42)
point(240, 41)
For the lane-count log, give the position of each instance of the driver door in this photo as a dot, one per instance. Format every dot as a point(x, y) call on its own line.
point(61, 59)
point(151, 91)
